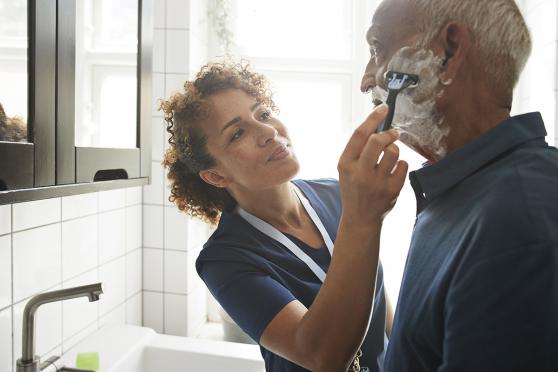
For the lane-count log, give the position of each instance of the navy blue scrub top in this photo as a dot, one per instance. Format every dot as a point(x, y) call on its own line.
point(253, 277)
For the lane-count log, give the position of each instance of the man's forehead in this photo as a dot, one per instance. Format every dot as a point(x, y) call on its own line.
point(391, 17)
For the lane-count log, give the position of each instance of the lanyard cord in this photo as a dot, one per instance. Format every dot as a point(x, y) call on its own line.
point(278, 236)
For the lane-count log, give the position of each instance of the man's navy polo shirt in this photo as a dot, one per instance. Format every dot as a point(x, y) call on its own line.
point(480, 288)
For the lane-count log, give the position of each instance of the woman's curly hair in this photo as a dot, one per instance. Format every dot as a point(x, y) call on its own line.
point(187, 154)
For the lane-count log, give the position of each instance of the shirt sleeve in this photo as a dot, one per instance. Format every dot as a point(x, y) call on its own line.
point(502, 315)
point(250, 296)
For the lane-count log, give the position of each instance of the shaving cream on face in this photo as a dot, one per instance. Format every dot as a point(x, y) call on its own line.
point(416, 117)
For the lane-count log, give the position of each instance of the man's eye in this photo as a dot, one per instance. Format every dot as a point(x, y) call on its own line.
point(375, 52)
point(237, 134)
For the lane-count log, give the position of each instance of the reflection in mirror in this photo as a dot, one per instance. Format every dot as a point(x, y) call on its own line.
point(13, 70)
point(106, 73)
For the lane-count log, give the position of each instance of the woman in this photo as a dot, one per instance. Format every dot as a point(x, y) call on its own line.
point(231, 162)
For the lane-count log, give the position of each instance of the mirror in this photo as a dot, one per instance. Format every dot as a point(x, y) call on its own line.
point(13, 70)
point(106, 73)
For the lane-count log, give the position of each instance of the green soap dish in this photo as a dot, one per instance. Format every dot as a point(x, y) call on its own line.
point(88, 361)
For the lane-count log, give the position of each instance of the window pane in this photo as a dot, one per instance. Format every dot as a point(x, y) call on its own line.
point(13, 70)
point(106, 69)
point(318, 134)
point(309, 29)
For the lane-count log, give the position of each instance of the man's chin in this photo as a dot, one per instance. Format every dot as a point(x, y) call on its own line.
point(426, 151)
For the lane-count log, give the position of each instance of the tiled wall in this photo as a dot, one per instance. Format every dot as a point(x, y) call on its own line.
point(64, 242)
point(174, 296)
point(538, 87)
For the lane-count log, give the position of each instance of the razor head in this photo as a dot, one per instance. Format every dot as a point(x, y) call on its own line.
point(398, 81)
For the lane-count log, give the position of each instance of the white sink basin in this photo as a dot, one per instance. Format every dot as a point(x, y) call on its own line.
point(138, 349)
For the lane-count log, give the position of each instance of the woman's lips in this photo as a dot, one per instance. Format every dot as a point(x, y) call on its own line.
point(280, 153)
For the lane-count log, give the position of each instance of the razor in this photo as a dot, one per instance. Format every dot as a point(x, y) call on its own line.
point(396, 83)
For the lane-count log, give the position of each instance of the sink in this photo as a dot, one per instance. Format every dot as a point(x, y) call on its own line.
point(126, 348)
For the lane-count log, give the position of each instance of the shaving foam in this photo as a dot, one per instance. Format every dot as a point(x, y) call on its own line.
point(416, 118)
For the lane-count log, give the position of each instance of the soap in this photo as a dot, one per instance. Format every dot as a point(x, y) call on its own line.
point(88, 361)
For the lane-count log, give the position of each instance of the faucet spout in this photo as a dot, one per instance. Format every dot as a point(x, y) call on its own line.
point(28, 358)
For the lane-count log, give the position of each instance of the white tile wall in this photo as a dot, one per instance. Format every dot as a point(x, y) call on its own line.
point(178, 13)
point(5, 219)
point(171, 240)
point(159, 14)
point(133, 196)
point(80, 205)
point(133, 273)
point(36, 260)
point(5, 271)
point(112, 235)
point(133, 227)
point(56, 243)
point(176, 229)
point(113, 199)
point(134, 310)
point(79, 246)
point(152, 269)
point(159, 51)
point(25, 215)
point(153, 310)
point(79, 313)
point(174, 82)
point(6, 340)
point(113, 276)
point(175, 277)
point(153, 226)
point(158, 139)
point(176, 310)
point(158, 91)
point(153, 194)
point(177, 52)
point(48, 327)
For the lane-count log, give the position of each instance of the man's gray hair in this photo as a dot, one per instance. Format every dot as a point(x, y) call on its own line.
point(497, 27)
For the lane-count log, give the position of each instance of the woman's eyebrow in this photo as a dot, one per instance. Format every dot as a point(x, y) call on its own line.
point(253, 108)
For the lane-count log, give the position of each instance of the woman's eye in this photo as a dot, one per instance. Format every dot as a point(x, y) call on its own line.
point(265, 116)
point(237, 134)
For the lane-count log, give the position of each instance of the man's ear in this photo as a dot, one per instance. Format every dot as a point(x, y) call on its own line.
point(212, 177)
point(455, 40)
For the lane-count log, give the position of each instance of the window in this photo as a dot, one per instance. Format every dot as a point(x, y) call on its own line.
point(315, 53)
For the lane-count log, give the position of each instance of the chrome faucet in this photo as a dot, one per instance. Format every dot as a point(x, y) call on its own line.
point(29, 362)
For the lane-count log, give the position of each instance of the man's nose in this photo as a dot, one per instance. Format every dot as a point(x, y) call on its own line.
point(369, 78)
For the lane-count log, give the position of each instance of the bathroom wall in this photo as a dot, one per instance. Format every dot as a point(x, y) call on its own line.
point(64, 242)
point(174, 296)
point(538, 87)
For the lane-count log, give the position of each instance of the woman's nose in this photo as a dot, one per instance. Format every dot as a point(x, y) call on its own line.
point(266, 133)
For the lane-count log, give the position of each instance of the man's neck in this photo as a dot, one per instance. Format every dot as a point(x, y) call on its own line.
point(470, 118)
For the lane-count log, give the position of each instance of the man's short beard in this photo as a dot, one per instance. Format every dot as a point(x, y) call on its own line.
point(416, 116)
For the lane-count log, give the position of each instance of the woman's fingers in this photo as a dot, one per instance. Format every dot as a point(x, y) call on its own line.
point(360, 136)
point(375, 146)
point(400, 173)
point(389, 159)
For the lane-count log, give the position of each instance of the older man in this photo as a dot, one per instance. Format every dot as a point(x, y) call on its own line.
point(480, 288)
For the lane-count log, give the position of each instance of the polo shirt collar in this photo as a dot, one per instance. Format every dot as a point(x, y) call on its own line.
point(436, 178)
